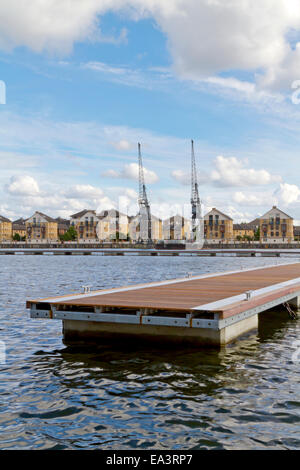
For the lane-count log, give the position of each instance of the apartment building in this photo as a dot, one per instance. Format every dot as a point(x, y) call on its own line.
point(176, 228)
point(138, 229)
point(218, 227)
point(276, 227)
point(41, 227)
point(63, 226)
point(113, 225)
point(85, 223)
point(5, 229)
point(297, 233)
point(19, 228)
point(243, 230)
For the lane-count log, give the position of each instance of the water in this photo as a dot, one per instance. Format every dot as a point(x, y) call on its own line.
point(53, 397)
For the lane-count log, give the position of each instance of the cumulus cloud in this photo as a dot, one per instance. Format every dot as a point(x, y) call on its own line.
point(232, 172)
point(287, 193)
point(83, 191)
point(23, 185)
point(205, 37)
point(53, 25)
point(131, 172)
point(250, 199)
point(228, 172)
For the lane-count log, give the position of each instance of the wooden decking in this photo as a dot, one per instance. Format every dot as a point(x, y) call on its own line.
point(186, 294)
point(210, 309)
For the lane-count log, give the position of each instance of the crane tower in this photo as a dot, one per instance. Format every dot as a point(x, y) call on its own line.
point(144, 206)
point(195, 199)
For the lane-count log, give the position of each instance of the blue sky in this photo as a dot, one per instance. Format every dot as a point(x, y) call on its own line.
point(83, 86)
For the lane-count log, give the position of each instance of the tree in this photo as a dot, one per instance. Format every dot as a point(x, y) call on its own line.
point(70, 234)
point(257, 234)
point(16, 237)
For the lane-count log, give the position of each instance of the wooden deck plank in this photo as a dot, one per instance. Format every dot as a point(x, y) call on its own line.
point(191, 293)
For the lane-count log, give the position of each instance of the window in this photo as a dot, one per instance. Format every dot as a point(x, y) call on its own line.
point(277, 234)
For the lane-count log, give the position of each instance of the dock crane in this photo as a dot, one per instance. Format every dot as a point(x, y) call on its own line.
point(195, 199)
point(144, 206)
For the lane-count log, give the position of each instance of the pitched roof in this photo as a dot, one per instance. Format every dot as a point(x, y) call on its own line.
point(19, 224)
point(62, 222)
point(49, 219)
point(81, 213)
point(4, 219)
point(254, 223)
point(279, 210)
point(111, 212)
point(219, 212)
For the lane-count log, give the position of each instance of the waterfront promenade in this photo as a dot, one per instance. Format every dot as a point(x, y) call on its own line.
point(239, 252)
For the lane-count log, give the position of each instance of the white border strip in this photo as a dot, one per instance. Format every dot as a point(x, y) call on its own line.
point(237, 298)
point(61, 299)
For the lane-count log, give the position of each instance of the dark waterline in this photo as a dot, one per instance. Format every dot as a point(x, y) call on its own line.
point(53, 397)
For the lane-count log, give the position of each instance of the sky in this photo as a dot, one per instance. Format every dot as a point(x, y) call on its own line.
point(81, 83)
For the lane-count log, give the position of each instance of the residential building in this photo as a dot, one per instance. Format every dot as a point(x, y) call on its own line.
point(19, 227)
point(243, 230)
point(113, 225)
point(63, 226)
point(135, 229)
point(41, 227)
point(5, 229)
point(218, 227)
point(276, 227)
point(176, 228)
point(297, 233)
point(85, 223)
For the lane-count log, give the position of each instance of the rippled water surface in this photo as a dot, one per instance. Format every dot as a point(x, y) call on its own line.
point(53, 397)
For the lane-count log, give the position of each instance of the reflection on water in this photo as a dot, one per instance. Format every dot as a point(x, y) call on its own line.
point(243, 396)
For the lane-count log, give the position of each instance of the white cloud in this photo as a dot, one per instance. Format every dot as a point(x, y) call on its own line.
point(147, 79)
point(53, 25)
point(131, 172)
point(131, 193)
point(205, 37)
point(228, 172)
point(254, 200)
point(105, 68)
point(232, 172)
point(83, 191)
point(287, 194)
point(22, 185)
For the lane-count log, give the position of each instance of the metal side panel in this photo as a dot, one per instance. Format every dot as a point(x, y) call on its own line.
point(35, 313)
point(97, 317)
